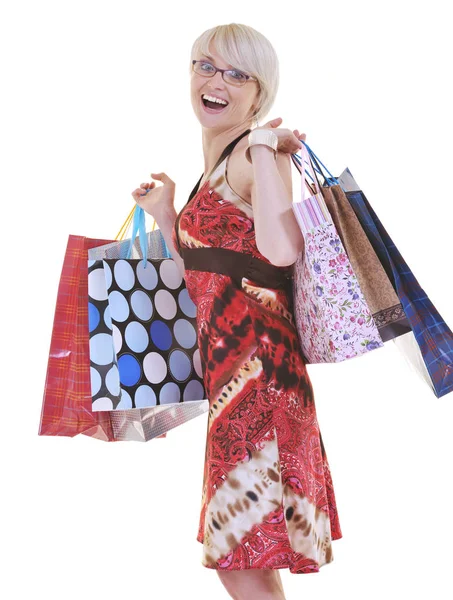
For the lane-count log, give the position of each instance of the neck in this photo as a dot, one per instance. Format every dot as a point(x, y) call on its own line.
point(215, 141)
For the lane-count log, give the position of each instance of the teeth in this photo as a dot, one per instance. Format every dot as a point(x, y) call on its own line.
point(214, 99)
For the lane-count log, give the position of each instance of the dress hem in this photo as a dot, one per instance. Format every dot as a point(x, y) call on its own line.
point(313, 568)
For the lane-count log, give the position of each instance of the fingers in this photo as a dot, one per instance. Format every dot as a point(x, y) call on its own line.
point(136, 195)
point(164, 178)
point(274, 122)
point(300, 136)
point(295, 140)
point(139, 193)
point(159, 176)
point(143, 190)
point(146, 187)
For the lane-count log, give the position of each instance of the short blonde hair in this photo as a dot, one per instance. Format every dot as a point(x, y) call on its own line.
point(247, 50)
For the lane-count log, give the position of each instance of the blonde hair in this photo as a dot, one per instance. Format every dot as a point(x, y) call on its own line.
point(247, 50)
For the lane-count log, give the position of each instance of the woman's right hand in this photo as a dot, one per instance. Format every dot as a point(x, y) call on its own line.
point(155, 199)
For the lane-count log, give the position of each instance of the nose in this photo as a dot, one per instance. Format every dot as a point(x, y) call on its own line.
point(217, 78)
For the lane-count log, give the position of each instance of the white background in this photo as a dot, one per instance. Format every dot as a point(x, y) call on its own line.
point(96, 97)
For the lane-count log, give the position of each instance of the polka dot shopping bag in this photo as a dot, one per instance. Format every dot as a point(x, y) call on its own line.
point(81, 381)
point(144, 359)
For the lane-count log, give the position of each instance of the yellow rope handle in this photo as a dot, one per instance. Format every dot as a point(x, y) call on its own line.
point(125, 226)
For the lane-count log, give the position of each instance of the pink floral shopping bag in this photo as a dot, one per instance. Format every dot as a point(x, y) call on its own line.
point(332, 317)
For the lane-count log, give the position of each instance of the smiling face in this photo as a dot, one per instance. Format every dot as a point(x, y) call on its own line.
point(242, 100)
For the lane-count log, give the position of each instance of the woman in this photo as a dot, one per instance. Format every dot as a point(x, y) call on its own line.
point(268, 501)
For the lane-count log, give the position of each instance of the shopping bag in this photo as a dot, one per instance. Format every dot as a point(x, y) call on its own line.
point(144, 357)
point(377, 287)
point(66, 407)
point(122, 248)
point(333, 319)
point(428, 347)
point(433, 336)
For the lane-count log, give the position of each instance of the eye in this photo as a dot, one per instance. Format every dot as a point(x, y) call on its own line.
point(205, 66)
point(237, 75)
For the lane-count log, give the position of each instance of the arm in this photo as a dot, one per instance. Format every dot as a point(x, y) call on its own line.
point(278, 236)
point(165, 220)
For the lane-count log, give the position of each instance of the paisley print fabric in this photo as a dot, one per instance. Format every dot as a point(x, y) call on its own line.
point(267, 499)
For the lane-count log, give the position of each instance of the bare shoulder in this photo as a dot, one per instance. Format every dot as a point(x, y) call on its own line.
point(240, 171)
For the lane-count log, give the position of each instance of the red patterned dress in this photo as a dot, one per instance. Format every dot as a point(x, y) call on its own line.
point(267, 501)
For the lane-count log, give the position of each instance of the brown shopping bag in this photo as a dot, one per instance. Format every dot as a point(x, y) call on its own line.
point(375, 283)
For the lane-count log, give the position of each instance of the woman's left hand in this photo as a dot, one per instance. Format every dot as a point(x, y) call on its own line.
point(288, 141)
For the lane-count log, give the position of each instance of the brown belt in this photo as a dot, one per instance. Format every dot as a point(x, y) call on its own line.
point(237, 265)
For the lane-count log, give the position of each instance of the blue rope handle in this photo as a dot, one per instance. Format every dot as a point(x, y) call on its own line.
point(333, 180)
point(329, 180)
point(138, 225)
point(298, 159)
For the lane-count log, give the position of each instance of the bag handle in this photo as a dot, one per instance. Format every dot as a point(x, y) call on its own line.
point(328, 181)
point(137, 218)
point(299, 162)
point(138, 226)
point(125, 226)
point(312, 211)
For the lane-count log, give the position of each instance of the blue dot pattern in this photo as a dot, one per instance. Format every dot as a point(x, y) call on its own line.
point(93, 316)
point(129, 370)
point(161, 335)
point(177, 350)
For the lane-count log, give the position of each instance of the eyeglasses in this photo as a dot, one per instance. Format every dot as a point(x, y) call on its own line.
point(231, 76)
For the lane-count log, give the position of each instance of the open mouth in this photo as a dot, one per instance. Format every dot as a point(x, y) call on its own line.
point(214, 107)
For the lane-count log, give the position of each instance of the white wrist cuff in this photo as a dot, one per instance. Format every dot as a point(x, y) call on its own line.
point(262, 136)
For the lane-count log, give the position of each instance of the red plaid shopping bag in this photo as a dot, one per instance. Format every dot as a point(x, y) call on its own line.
point(66, 408)
point(67, 403)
